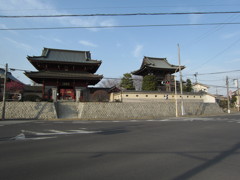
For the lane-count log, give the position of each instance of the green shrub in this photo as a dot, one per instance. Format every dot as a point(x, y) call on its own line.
point(32, 97)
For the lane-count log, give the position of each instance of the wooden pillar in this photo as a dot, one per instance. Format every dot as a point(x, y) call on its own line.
point(54, 94)
point(58, 90)
point(43, 89)
point(78, 94)
point(74, 89)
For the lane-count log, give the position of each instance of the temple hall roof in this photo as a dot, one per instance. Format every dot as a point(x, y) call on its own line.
point(152, 63)
point(62, 75)
point(62, 55)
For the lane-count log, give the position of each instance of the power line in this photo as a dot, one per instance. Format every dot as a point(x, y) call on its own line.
point(123, 7)
point(222, 72)
point(127, 14)
point(210, 80)
point(215, 29)
point(218, 86)
point(221, 52)
point(120, 26)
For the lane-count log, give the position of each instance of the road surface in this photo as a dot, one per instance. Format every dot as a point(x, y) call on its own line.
point(174, 148)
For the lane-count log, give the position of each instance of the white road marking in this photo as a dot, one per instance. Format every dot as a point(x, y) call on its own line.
point(22, 137)
point(78, 122)
point(57, 132)
point(133, 120)
point(52, 133)
point(165, 120)
point(11, 122)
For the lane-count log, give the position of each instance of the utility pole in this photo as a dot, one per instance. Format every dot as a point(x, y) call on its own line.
point(4, 92)
point(176, 103)
point(196, 74)
point(181, 87)
point(228, 101)
point(238, 100)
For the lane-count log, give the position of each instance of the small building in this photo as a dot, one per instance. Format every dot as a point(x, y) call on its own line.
point(162, 69)
point(64, 74)
point(198, 87)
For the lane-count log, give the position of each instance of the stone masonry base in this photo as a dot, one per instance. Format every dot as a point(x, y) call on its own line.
point(104, 111)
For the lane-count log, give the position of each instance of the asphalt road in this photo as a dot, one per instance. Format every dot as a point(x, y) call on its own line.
point(183, 148)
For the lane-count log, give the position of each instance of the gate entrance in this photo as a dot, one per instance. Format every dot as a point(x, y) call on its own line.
point(66, 94)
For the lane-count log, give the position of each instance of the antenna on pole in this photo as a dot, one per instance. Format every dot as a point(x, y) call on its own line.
point(196, 74)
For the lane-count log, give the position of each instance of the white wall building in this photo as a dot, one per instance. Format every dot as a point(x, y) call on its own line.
point(141, 96)
point(198, 87)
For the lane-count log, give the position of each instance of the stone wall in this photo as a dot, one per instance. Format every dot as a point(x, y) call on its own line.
point(143, 110)
point(105, 111)
point(29, 110)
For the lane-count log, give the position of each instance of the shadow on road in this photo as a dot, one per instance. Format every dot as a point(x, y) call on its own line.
point(208, 163)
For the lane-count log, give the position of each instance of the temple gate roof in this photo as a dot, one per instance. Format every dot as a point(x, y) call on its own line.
point(156, 64)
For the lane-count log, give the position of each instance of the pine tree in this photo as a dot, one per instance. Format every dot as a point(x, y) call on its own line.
point(127, 82)
point(149, 83)
point(188, 86)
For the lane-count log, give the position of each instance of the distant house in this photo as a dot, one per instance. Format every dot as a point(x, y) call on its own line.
point(13, 86)
point(10, 77)
point(198, 87)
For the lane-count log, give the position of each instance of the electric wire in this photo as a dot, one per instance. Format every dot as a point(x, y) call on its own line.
point(218, 54)
point(128, 14)
point(222, 72)
point(123, 7)
point(119, 26)
point(211, 31)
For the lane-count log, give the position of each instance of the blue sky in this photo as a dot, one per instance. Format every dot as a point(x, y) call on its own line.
point(204, 49)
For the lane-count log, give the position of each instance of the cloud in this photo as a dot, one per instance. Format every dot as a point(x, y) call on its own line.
point(231, 35)
point(137, 52)
point(39, 7)
point(79, 22)
point(233, 61)
point(87, 43)
point(20, 7)
point(107, 22)
point(89, 22)
point(195, 18)
point(58, 40)
point(3, 26)
point(19, 44)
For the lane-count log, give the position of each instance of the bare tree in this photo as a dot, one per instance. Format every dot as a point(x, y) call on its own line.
point(110, 82)
point(137, 82)
point(100, 96)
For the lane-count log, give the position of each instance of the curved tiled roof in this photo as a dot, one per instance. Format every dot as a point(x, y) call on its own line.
point(62, 55)
point(62, 75)
point(156, 64)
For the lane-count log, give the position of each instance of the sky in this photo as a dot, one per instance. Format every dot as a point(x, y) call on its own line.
point(203, 49)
